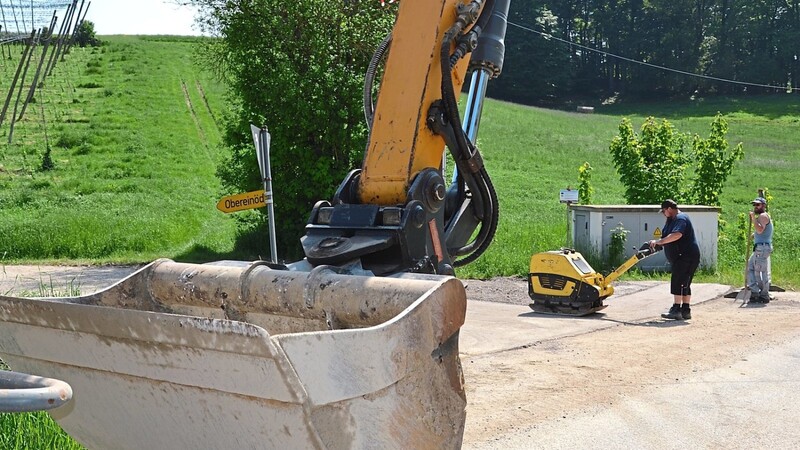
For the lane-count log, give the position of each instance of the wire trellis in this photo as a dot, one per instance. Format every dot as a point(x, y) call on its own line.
point(39, 49)
point(18, 18)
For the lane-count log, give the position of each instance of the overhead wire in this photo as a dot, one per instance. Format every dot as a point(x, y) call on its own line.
point(655, 66)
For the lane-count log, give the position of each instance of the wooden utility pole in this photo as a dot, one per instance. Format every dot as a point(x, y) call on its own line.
point(22, 83)
point(78, 23)
point(61, 37)
point(35, 80)
point(16, 77)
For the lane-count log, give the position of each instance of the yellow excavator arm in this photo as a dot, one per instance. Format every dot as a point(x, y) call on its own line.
point(401, 144)
point(397, 213)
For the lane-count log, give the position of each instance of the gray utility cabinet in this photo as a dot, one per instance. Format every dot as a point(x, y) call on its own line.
point(592, 226)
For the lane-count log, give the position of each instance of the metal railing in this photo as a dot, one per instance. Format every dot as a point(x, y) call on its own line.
point(20, 392)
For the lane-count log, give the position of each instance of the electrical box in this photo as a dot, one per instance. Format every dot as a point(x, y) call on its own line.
point(593, 225)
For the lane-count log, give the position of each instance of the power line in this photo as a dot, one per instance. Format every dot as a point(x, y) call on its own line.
point(668, 69)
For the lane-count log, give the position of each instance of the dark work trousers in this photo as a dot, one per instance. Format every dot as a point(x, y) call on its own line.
point(683, 269)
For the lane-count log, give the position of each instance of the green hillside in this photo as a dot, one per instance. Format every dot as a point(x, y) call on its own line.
point(134, 128)
point(532, 153)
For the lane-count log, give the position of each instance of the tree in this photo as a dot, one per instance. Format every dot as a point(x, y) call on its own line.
point(651, 166)
point(714, 163)
point(536, 69)
point(298, 68)
point(85, 34)
point(654, 165)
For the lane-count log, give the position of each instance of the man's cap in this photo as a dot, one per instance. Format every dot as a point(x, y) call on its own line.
point(669, 204)
point(759, 200)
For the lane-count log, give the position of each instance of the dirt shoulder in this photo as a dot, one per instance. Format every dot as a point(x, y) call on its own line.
point(545, 395)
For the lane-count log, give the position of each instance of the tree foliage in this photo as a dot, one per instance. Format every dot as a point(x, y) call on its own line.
point(714, 163)
point(741, 40)
point(654, 164)
point(651, 165)
point(585, 189)
point(533, 72)
point(298, 68)
point(85, 35)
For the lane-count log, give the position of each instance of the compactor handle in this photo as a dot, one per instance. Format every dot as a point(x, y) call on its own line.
point(20, 392)
point(644, 252)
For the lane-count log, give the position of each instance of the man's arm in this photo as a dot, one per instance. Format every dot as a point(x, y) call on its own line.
point(672, 237)
point(760, 222)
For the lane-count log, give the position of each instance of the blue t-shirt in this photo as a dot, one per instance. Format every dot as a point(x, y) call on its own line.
point(686, 246)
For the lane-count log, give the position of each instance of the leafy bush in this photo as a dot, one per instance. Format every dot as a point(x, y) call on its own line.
point(653, 165)
point(616, 248)
point(85, 35)
point(300, 72)
point(47, 161)
point(714, 163)
point(585, 189)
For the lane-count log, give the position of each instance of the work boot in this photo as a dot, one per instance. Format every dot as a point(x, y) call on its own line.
point(686, 311)
point(674, 313)
point(763, 298)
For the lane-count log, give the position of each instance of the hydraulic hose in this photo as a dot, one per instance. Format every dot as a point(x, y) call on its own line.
point(369, 78)
point(486, 200)
point(487, 232)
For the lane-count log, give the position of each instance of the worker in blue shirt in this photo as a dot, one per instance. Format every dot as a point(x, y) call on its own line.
point(683, 253)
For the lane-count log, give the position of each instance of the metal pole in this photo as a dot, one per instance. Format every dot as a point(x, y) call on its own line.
point(262, 140)
point(569, 235)
point(474, 108)
point(20, 392)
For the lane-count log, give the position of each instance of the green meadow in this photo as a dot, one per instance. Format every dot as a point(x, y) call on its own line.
point(134, 130)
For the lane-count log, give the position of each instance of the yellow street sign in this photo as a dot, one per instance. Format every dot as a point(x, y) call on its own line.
point(240, 202)
point(657, 233)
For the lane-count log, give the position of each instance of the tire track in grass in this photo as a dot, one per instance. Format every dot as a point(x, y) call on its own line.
point(202, 92)
point(200, 133)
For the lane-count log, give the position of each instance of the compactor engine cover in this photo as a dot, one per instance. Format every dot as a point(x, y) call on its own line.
point(563, 282)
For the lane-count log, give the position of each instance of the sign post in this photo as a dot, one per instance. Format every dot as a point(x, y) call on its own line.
point(261, 138)
point(569, 197)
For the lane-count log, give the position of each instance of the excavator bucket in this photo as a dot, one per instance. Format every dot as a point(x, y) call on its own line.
point(212, 356)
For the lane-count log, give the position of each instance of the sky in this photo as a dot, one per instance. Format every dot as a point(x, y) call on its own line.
point(141, 17)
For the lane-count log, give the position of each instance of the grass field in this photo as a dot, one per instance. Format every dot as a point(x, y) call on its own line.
point(134, 128)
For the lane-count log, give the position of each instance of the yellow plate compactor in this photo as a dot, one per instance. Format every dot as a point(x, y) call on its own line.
point(563, 282)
